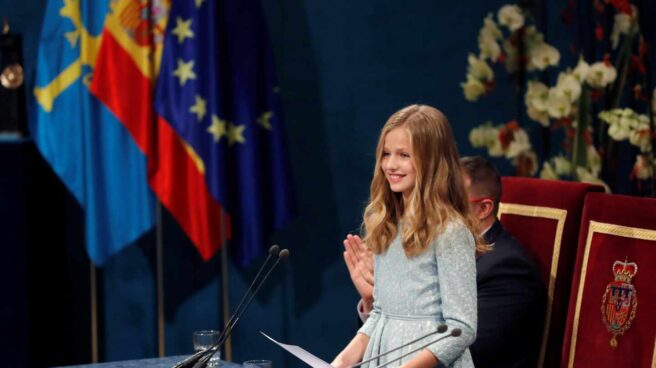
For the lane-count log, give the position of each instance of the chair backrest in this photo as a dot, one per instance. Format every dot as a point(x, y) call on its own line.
point(544, 216)
point(612, 312)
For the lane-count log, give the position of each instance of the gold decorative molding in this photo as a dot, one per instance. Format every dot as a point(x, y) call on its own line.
point(559, 215)
point(610, 229)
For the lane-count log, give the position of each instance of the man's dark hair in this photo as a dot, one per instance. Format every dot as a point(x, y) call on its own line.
point(485, 179)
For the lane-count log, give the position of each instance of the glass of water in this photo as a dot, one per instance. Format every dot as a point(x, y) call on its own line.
point(257, 364)
point(204, 340)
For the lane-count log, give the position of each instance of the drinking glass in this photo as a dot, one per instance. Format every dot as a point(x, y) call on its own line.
point(204, 340)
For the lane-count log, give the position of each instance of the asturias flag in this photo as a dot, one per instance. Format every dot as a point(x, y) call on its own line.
point(217, 90)
point(85, 143)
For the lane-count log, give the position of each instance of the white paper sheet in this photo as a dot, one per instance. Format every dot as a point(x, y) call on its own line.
point(301, 354)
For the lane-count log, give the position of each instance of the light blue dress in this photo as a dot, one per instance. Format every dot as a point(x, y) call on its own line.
point(413, 296)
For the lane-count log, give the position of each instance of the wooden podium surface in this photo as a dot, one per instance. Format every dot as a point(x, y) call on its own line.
point(165, 362)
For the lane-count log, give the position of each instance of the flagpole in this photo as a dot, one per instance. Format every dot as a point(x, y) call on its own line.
point(160, 282)
point(225, 287)
point(94, 312)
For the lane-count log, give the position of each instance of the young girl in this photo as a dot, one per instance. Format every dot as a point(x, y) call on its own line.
point(418, 226)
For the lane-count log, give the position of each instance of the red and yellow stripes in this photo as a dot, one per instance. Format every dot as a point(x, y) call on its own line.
point(123, 80)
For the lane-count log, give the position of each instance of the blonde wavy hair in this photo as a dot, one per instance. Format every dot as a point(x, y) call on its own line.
point(438, 195)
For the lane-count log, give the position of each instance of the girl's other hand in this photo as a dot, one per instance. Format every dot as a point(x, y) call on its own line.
point(359, 262)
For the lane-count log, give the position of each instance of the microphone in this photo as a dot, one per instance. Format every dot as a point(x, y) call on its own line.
point(440, 329)
point(274, 250)
point(454, 333)
point(284, 254)
point(204, 359)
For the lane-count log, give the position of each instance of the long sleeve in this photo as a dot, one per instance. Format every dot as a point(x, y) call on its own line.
point(373, 317)
point(361, 313)
point(456, 268)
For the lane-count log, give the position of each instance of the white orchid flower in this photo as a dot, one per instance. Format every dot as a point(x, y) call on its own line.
point(585, 176)
point(511, 16)
point(472, 88)
point(519, 144)
point(642, 169)
point(601, 75)
point(562, 165)
point(569, 85)
point(641, 138)
point(611, 117)
point(490, 28)
point(479, 69)
point(558, 104)
point(536, 100)
point(622, 25)
point(548, 172)
point(532, 37)
point(495, 149)
point(489, 48)
point(487, 39)
point(537, 95)
point(487, 136)
point(593, 160)
point(619, 132)
point(541, 117)
point(581, 70)
point(543, 56)
point(483, 136)
point(627, 124)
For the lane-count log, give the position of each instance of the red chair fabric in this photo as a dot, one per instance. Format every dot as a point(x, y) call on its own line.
point(613, 295)
point(544, 216)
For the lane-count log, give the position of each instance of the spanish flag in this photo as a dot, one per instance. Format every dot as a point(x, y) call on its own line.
point(214, 136)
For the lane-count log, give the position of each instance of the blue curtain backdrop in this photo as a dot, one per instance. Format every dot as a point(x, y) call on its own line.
point(343, 68)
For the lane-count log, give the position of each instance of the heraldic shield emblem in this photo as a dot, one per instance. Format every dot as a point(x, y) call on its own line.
point(620, 300)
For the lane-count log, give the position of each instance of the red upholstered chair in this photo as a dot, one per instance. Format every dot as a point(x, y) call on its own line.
point(614, 290)
point(544, 216)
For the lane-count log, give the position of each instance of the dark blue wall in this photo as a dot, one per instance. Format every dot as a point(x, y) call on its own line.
point(344, 67)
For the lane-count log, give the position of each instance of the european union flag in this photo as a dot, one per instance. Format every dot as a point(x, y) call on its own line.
point(86, 145)
point(218, 90)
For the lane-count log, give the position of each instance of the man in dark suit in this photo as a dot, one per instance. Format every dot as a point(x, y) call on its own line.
point(511, 295)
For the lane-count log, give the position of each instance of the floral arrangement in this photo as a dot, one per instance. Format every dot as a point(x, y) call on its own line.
point(512, 43)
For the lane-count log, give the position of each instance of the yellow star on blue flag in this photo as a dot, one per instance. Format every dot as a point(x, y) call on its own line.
point(228, 62)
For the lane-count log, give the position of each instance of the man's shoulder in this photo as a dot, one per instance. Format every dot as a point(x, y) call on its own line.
point(506, 253)
point(505, 245)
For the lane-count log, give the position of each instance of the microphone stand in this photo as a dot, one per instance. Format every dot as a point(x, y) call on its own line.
point(202, 361)
point(454, 333)
point(440, 329)
point(273, 251)
point(196, 357)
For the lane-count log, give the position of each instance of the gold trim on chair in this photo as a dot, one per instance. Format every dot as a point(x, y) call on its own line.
point(560, 215)
point(610, 229)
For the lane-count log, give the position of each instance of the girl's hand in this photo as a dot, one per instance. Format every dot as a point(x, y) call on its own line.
point(338, 363)
point(360, 264)
point(353, 352)
point(425, 359)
